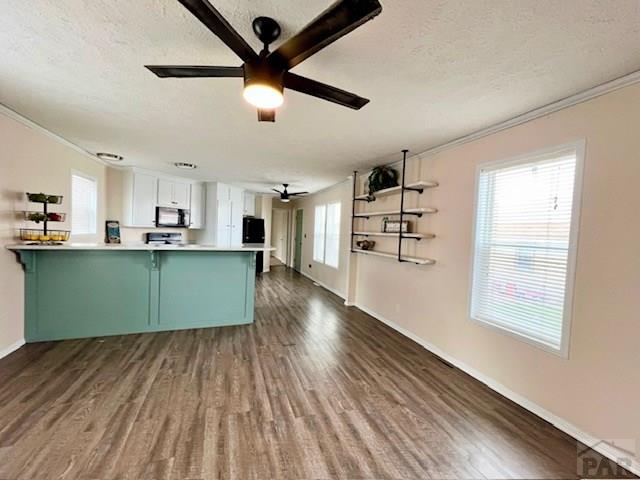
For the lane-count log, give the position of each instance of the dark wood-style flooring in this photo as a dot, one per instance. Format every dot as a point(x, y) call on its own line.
point(312, 390)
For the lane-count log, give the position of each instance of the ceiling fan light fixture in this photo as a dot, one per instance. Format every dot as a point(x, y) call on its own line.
point(285, 200)
point(261, 95)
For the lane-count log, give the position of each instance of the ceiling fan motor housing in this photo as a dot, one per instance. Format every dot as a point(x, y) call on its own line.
point(261, 72)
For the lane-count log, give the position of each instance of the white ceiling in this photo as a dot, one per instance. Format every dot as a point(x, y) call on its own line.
point(434, 71)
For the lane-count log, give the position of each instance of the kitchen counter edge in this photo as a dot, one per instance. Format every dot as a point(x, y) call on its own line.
point(258, 247)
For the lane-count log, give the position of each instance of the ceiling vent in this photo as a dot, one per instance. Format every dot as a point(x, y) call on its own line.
point(185, 165)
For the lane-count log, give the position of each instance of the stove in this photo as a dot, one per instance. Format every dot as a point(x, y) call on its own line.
point(160, 238)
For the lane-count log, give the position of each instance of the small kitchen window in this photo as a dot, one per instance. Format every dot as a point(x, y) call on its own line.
point(84, 204)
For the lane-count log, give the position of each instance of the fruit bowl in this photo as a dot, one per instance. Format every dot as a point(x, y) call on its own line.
point(51, 237)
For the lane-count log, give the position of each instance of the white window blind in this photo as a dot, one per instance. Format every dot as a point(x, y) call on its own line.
point(332, 245)
point(524, 248)
point(83, 205)
point(318, 233)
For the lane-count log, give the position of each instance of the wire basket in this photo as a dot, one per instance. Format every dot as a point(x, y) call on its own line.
point(41, 216)
point(51, 237)
point(44, 198)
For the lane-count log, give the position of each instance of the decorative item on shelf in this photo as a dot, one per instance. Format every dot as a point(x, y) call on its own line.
point(393, 226)
point(382, 177)
point(45, 235)
point(112, 231)
point(366, 244)
point(384, 224)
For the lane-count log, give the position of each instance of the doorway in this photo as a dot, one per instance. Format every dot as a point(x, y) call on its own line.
point(297, 255)
point(280, 236)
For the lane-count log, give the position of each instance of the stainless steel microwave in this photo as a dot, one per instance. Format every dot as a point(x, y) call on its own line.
point(172, 217)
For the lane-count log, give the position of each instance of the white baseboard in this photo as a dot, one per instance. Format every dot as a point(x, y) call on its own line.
point(599, 445)
point(11, 348)
point(326, 287)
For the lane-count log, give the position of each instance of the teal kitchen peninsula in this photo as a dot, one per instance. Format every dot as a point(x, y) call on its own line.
point(93, 290)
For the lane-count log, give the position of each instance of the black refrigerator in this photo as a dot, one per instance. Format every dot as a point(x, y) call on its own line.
point(253, 232)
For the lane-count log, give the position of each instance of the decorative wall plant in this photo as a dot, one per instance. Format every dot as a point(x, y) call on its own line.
point(382, 177)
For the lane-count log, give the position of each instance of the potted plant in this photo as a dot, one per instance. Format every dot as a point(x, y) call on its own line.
point(382, 177)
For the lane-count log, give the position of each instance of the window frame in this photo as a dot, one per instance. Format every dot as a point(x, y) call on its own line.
point(77, 173)
point(529, 157)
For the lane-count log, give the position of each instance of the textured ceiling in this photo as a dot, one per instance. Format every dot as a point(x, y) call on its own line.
point(434, 71)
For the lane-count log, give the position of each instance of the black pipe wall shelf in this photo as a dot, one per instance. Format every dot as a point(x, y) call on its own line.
point(417, 187)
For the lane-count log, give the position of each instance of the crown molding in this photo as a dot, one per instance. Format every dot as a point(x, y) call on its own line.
point(12, 114)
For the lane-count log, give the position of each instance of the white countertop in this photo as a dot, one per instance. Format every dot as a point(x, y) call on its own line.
point(247, 247)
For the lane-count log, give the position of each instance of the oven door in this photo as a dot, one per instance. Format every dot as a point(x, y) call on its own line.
point(167, 217)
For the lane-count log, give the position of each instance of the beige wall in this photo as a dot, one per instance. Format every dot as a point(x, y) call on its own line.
point(31, 161)
point(334, 279)
point(597, 388)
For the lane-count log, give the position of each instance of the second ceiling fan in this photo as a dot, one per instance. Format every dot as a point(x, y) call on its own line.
point(267, 74)
point(285, 196)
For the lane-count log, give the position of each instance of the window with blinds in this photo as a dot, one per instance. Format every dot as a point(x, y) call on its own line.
point(525, 240)
point(84, 206)
point(332, 240)
point(326, 234)
point(318, 233)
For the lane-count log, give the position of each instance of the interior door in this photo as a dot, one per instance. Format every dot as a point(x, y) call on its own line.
point(297, 257)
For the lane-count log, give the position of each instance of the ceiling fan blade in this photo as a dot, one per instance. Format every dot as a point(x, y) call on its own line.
point(323, 91)
point(266, 115)
point(195, 71)
point(336, 21)
point(277, 191)
point(299, 193)
point(214, 21)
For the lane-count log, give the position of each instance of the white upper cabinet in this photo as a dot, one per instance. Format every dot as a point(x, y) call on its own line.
point(165, 193)
point(249, 209)
point(181, 194)
point(173, 193)
point(140, 192)
point(223, 191)
point(197, 205)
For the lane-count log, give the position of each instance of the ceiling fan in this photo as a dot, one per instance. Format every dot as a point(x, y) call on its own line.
point(284, 195)
point(267, 74)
